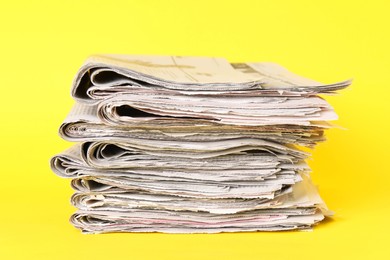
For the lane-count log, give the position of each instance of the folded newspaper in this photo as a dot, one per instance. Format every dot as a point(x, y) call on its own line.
point(192, 145)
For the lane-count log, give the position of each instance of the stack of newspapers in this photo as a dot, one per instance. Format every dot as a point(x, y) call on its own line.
point(192, 145)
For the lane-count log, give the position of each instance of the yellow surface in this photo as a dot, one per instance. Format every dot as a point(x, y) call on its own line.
point(44, 43)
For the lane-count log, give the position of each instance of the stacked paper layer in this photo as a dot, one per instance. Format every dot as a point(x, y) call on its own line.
point(192, 145)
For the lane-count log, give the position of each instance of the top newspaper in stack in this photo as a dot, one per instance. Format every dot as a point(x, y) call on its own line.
point(103, 76)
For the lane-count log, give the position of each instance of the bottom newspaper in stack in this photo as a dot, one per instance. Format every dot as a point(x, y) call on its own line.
point(190, 187)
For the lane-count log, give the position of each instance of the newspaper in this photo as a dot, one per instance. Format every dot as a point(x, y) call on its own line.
point(245, 175)
point(192, 145)
point(103, 76)
point(83, 124)
point(252, 111)
point(88, 160)
point(145, 212)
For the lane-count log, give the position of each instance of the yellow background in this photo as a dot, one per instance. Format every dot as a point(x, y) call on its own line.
point(44, 42)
